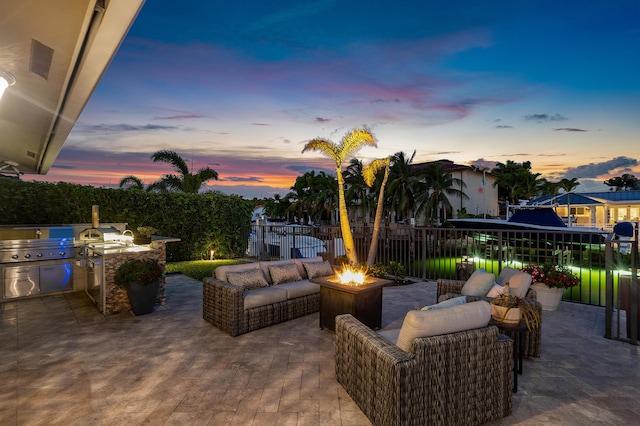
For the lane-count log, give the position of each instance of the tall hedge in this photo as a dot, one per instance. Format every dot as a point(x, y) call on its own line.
point(202, 222)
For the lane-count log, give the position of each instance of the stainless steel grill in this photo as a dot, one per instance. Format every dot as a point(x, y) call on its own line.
point(35, 260)
point(34, 244)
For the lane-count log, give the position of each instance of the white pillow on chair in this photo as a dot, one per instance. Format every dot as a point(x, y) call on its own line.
point(435, 322)
point(478, 284)
point(519, 284)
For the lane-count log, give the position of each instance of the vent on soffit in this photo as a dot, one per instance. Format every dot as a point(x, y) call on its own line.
point(31, 154)
point(41, 58)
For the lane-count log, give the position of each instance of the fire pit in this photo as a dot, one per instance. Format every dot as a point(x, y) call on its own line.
point(362, 299)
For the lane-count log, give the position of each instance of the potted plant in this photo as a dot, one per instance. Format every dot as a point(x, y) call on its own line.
point(144, 235)
point(141, 278)
point(509, 309)
point(550, 283)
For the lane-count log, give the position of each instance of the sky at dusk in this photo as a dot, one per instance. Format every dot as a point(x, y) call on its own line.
point(242, 86)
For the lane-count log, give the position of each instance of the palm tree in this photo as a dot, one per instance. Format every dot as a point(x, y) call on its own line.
point(357, 191)
point(401, 185)
point(568, 185)
point(516, 181)
point(185, 181)
point(349, 144)
point(438, 186)
point(369, 175)
point(324, 196)
point(299, 198)
point(131, 182)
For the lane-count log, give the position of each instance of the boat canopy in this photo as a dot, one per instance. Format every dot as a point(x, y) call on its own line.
point(539, 216)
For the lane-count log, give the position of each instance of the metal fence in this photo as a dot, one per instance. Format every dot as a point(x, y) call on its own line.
point(431, 253)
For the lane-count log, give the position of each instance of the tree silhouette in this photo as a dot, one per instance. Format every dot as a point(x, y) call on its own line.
point(184, 181)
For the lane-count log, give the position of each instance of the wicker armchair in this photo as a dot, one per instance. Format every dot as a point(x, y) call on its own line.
point(461, 378)
point(532, 342)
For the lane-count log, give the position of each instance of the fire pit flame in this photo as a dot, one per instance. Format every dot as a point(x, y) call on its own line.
point(349, 276)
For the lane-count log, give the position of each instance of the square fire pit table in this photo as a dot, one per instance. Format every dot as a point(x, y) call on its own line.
point(364, 301)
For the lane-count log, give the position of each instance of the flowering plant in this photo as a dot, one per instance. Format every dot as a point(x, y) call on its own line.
point(552, 276)
point(142, 271)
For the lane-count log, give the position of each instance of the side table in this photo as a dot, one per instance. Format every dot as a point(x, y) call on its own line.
point(364, 302)
point(515, 332)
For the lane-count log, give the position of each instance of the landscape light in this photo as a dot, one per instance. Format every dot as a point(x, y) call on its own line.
point(6, 79)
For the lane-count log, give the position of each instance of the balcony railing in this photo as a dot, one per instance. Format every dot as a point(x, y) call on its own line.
point(431, 253)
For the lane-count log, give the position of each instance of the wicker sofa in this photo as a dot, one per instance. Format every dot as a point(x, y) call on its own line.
point(532, 340)
point(236, 310)
point(460, 378)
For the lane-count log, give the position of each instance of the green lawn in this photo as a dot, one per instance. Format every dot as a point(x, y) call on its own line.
point(198, 269)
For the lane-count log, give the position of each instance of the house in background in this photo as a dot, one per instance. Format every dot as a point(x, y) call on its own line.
point(478, 185)
point(596, 209)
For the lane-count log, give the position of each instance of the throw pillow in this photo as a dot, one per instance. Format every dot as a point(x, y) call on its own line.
point(443, 321)
point(284, 274)
point(496, 290)
point(506, 274)
point(318, 269)
point(447, 303)
point(519, 284)
point(250, 280)
point(478, 284)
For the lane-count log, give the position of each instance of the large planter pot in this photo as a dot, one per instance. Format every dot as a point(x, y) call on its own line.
point(142, 298)
point(511, 316)
point(549, 297)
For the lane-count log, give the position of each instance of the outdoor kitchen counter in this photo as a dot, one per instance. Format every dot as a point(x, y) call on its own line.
point(115, 297)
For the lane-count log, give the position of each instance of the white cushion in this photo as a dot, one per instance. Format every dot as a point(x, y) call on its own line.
point(506, 274)
point(447, 303)
point(299, 288)
point(519, 284)
point(264, 296)
point(443, 321)
point(221, 271)
point(478, 284)
point(496, 290)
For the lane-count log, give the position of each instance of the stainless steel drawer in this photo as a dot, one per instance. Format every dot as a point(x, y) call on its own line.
point(20, 281)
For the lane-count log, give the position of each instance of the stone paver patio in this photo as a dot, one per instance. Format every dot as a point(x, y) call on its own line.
point(63, 363)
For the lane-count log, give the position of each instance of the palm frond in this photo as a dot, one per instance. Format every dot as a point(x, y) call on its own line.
point(325, 146)
point(369, 172)
point(171, 182)
point(171, 157)
point(207, 173)
point(131, 182)
point(355, 140)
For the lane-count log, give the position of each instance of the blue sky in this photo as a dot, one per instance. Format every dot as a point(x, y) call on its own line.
point(241, 86)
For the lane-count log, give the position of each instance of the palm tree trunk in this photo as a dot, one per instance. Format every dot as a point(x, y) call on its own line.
point(347, 237)
point(373, 248)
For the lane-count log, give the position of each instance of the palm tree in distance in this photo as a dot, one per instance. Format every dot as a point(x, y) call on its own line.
point(349, 144)
point(401, 184)
point(185, 181)
point(567, 186)
point(439, 185)
point(131, 182)
point(357, 193)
